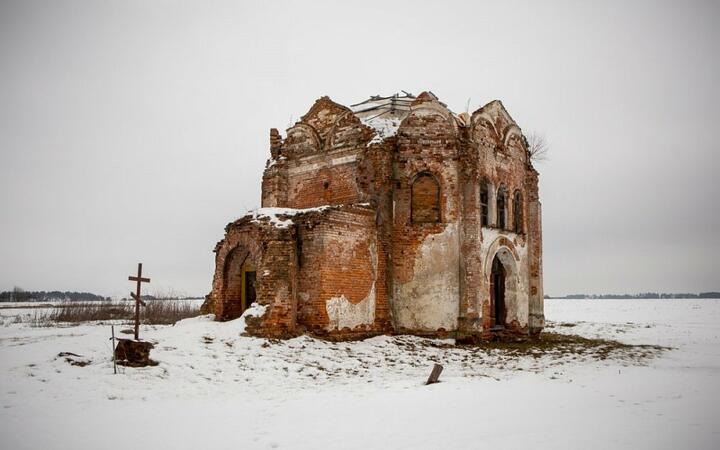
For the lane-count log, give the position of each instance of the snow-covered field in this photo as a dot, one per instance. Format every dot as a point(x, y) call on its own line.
point(215, 389)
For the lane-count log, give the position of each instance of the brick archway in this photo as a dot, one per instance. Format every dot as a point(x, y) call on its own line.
point(238, 283)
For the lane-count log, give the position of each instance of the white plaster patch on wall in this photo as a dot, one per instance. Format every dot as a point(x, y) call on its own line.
point(430, 300)
point(343, 313)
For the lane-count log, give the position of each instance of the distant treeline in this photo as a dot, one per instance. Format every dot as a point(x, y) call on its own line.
point(639, 296)
point(19, 295)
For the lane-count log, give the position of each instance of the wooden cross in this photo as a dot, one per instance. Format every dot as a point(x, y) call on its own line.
point(136, 296)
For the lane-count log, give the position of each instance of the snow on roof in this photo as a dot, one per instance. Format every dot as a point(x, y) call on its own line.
point(283, 217)
point(383, 114)
point(384, 127)
point(280, 217)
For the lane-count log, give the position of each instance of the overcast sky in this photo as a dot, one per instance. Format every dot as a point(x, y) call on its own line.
point(135, 130)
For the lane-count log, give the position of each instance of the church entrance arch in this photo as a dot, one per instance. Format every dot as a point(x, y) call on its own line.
point(239, 276)
point(503, 281)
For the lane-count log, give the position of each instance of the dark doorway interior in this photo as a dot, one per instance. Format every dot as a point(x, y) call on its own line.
point(249, 288)
point(497, 292)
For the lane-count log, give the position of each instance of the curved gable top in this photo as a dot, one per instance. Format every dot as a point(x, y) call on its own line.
point(495, 117)
point(428, 104)
point(323, 114)
point(302, 137)
point(511, 131)
point(348, 130)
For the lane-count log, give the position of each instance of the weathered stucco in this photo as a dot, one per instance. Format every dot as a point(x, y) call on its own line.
point(342, 313)
point(429, 301)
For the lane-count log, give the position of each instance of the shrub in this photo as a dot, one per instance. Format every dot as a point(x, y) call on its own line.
point(157, 312)
point(90, 311)
point(167, 312)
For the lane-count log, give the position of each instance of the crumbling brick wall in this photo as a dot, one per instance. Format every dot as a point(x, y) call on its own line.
point(341, 286)
point(385, 256)
point(425, 253)
point(272, 252)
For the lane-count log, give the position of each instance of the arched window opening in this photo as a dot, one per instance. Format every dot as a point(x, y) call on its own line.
point(518, 212)
point(484, 207)
point(501, 214)
point(425, 199)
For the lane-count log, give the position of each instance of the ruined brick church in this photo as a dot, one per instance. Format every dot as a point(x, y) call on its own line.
point(394, 215)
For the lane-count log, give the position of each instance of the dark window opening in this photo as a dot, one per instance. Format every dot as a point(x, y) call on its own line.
point(484, 210)
point(518, 213)
point(497, 292)
point(501, 202)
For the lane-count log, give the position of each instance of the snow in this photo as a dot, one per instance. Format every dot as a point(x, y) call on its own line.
point(281, 217)
point(255, 310)
point(384, 127)
point(214, 388)
point(272, 161)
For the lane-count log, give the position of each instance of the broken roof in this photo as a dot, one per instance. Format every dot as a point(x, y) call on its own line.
point(384, 114)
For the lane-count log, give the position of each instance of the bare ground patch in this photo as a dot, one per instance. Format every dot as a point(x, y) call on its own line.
point(411, 356)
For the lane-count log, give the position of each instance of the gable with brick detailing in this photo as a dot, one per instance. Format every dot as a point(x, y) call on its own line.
point(394, 215)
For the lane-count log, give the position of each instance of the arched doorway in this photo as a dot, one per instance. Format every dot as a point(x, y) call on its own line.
point(239, 280)
point(497, 293)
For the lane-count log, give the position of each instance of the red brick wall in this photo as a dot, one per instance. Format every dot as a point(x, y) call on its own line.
point(341, 258)
point(324, 186)
point(425, 199)
point(272, 251)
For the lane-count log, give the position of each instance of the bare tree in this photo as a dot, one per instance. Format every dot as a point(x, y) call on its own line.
point(538, 147)
point(19, 294)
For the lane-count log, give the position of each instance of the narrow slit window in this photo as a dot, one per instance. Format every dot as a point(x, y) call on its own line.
point(501, 206)
point(484, 210)
point(518, 213)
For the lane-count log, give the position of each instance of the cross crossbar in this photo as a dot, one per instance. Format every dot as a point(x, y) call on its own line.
point(135, 297)
point(142, 280)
